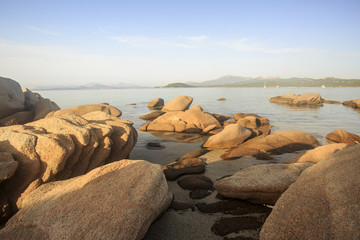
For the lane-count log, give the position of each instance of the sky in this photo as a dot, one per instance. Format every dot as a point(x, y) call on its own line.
point(152, 43)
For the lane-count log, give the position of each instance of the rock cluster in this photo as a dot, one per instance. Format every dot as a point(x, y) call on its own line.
point(195, 120)
point(61, 147)
point(19, 106)
point(117, 201)
point(302, 99)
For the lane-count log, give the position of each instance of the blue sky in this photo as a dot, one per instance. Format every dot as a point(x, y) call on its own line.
point(158, 42)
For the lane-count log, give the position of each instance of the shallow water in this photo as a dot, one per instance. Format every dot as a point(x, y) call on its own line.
point(318, 121)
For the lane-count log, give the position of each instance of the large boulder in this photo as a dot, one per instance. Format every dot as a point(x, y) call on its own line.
point(116, 201)
point(318, 154)
point(84, 109)
point(43, 107)
point(57, 148)
point(12, 99)
point(194, 120)
point(275, 143)
point(262, 184)
point(231, 136)
point(302, 99)
point(180, 103)
point(323, 203)
point(342, 136)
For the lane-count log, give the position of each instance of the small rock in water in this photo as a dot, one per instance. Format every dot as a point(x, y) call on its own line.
point(154, 145)
point(195, 182)
point(221, 99)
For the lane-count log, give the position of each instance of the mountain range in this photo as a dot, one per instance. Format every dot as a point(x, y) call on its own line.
point(89, 86)
point(239, 81)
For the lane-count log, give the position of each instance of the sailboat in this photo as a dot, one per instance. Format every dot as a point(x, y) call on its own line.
point(323, 86)
point(264, 84)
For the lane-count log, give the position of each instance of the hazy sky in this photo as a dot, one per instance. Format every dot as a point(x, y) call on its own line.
point(158, 42)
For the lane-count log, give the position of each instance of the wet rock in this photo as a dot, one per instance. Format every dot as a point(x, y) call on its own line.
point(227, 225)
point(180, 103)
point(342, 136)
point(154, 145)
point(275, 143)
point(199, 193)
point(71, 209)
point(195, 182)
point(302, 99)
point(232, 136)
point(156, 103)
point(182, 167)
point(332, 102)
point(262, 184)
point(318, 154)
point(324, 202)
point(233, 207)
point(151, 116)
point(180, 206)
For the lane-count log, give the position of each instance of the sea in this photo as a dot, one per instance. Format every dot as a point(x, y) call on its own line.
point(317, 121)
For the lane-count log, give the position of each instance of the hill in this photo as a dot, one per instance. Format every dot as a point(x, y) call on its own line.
point(178, 85)
point(238, 81)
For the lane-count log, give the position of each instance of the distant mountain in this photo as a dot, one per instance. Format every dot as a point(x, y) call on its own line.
point(239, 81)
point(89, 86)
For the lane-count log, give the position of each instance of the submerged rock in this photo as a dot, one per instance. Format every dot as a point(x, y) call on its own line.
point(261, 184)
point(116, 201)
point(324, 202)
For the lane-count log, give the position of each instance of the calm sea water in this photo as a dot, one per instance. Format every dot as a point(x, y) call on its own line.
point(317, 121)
